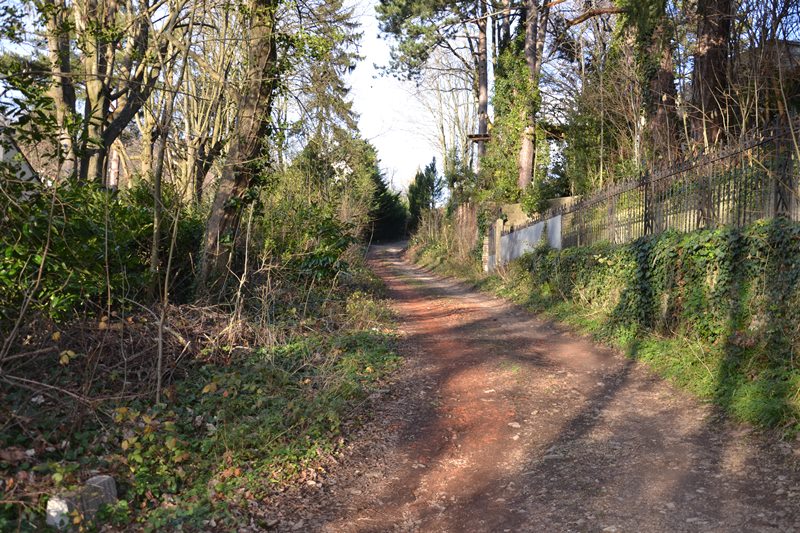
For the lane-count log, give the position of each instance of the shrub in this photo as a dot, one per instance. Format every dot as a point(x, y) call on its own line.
point(79, 244)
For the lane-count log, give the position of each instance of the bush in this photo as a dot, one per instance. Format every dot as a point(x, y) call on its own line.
point(79, 245)
point(250, 404)
point(308, 241)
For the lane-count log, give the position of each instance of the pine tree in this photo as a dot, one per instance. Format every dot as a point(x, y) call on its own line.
point(424, 193)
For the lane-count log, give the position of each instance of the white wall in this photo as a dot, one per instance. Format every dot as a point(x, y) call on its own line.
point(515, 244)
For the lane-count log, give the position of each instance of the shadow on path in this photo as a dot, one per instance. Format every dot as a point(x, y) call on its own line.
point(503, 422)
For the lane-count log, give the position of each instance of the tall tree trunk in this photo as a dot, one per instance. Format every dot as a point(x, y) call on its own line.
point(249, 137)
point(535, 33)
point(93, 151)
point(505, 31)
point(188, 166)
point(97, 64)
point(62, 90)
point(483, 79)
point(112, 181)
point(710, 81)
point(663, 122)
point(202, 157)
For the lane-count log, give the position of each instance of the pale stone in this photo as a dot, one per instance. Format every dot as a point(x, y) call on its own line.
point(58, 510)
point(87, 500)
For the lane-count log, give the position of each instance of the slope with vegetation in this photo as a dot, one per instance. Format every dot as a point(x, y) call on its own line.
point(184, 299)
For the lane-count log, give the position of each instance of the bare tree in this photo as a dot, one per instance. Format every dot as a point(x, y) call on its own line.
point(207, 102)
point(448, 97)
point(460, 29)
point(247, 142)
point(116, 44)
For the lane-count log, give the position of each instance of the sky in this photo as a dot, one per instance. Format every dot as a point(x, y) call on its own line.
point(390, 116)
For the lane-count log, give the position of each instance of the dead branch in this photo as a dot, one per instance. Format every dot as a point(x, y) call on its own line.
point(595, 13)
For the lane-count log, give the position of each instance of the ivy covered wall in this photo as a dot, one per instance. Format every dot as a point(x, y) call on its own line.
point(717, 311)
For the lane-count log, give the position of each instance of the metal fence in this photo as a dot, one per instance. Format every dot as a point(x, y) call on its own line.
point(754, 179)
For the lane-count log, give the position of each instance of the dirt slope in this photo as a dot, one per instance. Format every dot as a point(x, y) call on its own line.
point(502, 422)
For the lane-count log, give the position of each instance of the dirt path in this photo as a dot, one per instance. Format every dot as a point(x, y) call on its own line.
point(501, 422)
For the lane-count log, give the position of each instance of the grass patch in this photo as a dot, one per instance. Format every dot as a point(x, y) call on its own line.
point(237, 434)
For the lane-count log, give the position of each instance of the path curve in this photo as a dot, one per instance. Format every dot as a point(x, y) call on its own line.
point(503, 422)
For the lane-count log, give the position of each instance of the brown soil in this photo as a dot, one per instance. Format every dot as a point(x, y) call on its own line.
point(502, 422)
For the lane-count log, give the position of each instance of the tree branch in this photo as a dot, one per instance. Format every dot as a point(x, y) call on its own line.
point(594, 13)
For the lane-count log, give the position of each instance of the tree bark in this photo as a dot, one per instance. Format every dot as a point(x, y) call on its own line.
point(62, 89)
point(147, 127)
point(250, 134)
point(592, 13)
point(710, 81)
point(483, 79)
point(535, 33)
point(202, 166)
point(505, 25)
point(97, 64)
point(663, 122)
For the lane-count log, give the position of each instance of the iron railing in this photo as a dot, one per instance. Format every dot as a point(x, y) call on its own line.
point(756, 178)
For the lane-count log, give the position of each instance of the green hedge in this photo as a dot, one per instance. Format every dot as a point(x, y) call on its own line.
point(718, 310)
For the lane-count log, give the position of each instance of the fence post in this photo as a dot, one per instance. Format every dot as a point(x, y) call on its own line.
point(647, 188)
point(485, 253)
point(492, 245)
point(784, 202)
point(611, 224)
point(704, 199)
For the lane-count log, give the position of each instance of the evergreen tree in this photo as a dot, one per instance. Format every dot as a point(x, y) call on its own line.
point(423, 194)
point(389, 215)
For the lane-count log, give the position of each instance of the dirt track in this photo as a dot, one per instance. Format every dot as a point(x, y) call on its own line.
point(502, 422)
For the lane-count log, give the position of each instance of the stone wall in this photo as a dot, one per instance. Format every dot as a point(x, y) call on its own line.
point(515, 244)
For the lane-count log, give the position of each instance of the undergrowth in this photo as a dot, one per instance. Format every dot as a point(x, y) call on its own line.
point(240, 420)
point(238, 434)
point(715, 311)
